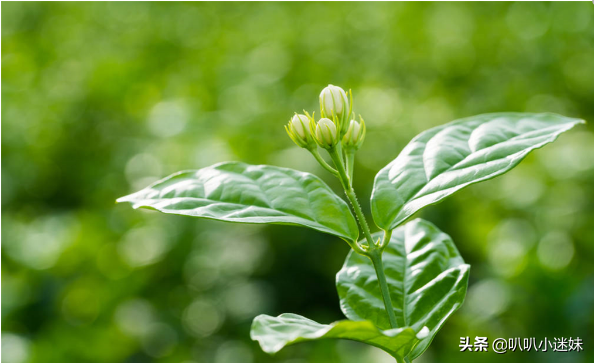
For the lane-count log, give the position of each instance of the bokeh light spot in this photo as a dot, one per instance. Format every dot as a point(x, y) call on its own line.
point(202, 318)
point(247, 299)
point(528, 20)
point(168, 118)
point(81, 305)
point(15, 349)
point(159, 341)
point(135, 317)
point(488, 298)
point(508, 245)
point(143, 246)
point(555, 250)
point(233, 351)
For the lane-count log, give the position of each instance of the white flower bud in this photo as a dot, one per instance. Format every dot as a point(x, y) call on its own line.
point(299, 131)
point(333, 100)
point(354, 135)
point(299, 124)
point(326, 133)
point(352, 132)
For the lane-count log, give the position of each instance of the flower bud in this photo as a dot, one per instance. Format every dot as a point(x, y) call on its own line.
point(326, 133)
point(355, 134)
point(298, 123)
point(299, 131)
point(333, 101)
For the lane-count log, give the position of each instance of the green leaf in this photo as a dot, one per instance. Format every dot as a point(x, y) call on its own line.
point(238, 192)
point(426, 277)
point(444, 159)
point(273, 334)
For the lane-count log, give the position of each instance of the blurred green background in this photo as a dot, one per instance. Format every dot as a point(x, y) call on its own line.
point(100, 99)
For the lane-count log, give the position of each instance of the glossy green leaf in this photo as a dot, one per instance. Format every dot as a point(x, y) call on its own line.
point(426, 277)
point(275, 333)
point(238, 192)
point(444, 159)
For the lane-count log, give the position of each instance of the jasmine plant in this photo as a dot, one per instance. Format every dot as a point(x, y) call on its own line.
point(399, 285)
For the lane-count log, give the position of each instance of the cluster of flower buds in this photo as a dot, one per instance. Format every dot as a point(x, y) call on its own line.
point(334, 126)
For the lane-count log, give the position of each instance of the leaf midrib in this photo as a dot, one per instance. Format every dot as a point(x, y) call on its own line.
point(417, 194)
point(453, 167)
point(270, 204)
point(404, 279)
point(216, 202)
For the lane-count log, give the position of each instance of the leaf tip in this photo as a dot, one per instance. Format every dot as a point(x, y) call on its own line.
point(423, 333)
point(124, 199)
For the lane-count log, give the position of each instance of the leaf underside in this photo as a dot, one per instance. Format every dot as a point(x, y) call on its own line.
point(275, 333)
point(427, 280)
point(444, 159)
point(238, 192)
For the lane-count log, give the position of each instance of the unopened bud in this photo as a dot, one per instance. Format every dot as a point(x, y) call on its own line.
point(355, 134)
point(333, 101)
point(299, 131)
point(326, 133)
point(299, 124)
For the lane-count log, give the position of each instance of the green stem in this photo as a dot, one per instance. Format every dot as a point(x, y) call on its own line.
point(360, 217)
point(350, 161)
point(342, 175)
point(386, 239)
point(322, 162)
point(376, 258)
point(374, 251)
point(350, 193)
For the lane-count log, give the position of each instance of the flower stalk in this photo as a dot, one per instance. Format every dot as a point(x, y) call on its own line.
point(342, 136)
point(373, 250)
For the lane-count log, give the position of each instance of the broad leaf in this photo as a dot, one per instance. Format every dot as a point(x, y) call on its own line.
point(444, 159)
point(426, 277)
point(238, 192)
point(275, 333)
